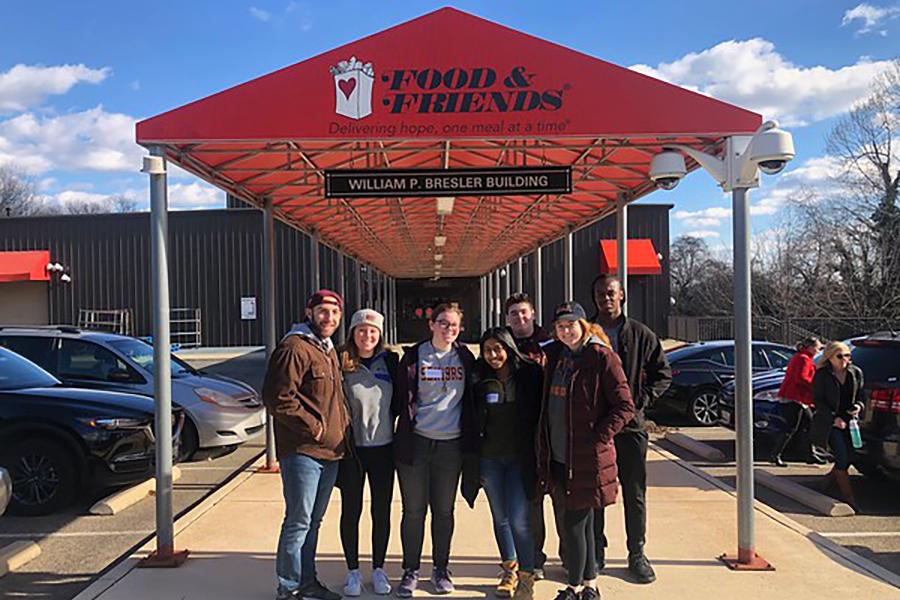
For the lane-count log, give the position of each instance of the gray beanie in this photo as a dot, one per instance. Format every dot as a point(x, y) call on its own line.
point(367, 316)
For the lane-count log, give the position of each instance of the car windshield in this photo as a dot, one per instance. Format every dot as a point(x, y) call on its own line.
point(141, 353)
point(18, 373)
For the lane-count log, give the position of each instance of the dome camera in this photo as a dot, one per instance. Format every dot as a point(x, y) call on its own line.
point(667, 169)
point(772, 148)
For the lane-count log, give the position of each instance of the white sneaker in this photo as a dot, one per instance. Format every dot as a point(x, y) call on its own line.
point(380, 582)
point(353, 585)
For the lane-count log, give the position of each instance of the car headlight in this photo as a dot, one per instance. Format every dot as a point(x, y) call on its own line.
point(115, 423)
point(218, 398)
point(766, 396)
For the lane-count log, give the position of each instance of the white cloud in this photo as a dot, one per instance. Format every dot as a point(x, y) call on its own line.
point(707, 217)
point(193, 196)
point(260, 14)
point(814, 176)
point(702, 233)
point(872, 17)
point(92, 140)
point(24, 87)
point(752, 74)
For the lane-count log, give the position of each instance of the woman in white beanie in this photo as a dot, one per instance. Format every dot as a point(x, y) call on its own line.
point(369, 374)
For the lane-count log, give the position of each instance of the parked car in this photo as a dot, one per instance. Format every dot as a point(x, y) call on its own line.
point(878, 355)
point(221, 412)
point(5, 490)
point(56, 441)
point(700, 370)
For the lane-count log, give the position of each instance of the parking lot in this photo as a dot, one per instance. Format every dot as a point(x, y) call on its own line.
point(873, 533)
point(76, 547)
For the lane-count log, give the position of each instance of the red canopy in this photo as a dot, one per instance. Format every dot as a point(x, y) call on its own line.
point(24, 266)
point(642, 257)
point(445, 90)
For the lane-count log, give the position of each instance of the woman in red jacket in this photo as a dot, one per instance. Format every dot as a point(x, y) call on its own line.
point(586, 402)
point(797, 390)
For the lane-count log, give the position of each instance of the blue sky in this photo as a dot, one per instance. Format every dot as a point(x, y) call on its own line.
point(74, 77)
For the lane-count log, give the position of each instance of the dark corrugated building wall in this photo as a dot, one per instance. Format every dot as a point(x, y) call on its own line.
point(215, 258)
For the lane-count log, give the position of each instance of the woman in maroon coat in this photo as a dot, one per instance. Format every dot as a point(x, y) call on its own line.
point(586, 402)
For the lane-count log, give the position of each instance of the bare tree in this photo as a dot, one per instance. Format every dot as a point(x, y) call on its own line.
point(17, 195)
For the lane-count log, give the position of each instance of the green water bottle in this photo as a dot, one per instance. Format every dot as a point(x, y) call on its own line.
point(855, 437)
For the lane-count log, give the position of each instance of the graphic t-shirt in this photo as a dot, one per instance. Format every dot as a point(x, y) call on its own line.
point(442, 381)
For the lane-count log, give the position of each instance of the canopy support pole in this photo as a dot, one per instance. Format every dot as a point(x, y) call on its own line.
point(482, 295)
point(271, 465)
point(622, 245)
point(496, 300)
point(506, 287)
point(538, 286)
point(520, 283)
point(568, 288)
point(342, 290)
point(369, 290)
point(165, 554)
point(314, 262)
point(357, 285)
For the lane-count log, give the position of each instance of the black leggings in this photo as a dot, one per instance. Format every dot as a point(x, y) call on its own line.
point(378, 464)
point(577, 533)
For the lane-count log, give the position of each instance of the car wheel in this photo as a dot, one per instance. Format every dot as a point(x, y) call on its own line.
point(44, 476)
point(703, 409)
point(190, 440)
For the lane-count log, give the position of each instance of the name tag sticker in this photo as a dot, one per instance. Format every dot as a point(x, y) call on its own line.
point(492, 398)
point(431, 373)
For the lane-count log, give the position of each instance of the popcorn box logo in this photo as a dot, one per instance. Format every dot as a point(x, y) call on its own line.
point(353, 88)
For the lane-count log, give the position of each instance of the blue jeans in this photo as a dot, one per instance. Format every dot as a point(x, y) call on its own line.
point(841, 448)
point(306, 483)
point(501, 479)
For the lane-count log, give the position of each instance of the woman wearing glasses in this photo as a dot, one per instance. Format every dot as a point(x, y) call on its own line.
point(586, 402)
point(837, 393)
point(434, 407)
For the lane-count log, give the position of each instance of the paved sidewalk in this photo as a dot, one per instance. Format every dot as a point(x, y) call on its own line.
point(692, 520)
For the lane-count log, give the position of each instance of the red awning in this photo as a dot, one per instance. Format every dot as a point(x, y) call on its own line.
point(24, 266)
point(642, 257)
point(446, 90)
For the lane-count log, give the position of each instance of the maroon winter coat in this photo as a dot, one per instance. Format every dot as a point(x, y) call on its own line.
point(599, 406)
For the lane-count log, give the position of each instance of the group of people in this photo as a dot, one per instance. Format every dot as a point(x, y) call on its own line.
point(824, 398)
point(538, 413)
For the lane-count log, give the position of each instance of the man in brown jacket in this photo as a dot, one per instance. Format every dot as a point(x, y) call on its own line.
point(302, 392)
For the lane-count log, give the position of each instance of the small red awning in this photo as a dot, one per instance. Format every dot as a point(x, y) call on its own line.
point(642, 257)
point(24, 266)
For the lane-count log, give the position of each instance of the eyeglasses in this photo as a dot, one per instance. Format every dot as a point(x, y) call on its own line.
point(843, 355)
point(448, 325)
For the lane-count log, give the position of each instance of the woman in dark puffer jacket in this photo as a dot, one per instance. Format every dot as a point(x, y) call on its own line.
point(586, 402)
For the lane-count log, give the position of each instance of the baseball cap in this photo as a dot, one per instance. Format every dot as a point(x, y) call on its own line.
point(569, 311)
point(325, 297)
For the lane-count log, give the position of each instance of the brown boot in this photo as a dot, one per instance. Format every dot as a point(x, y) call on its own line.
point(525, 589)
point(508, 579)
point(842, 480)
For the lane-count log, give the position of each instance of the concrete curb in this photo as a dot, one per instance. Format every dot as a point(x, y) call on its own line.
point(16, 555)
point(111, 577)
point(694, 447)
point(826, 505)
point(119, 501)
point(870, 567)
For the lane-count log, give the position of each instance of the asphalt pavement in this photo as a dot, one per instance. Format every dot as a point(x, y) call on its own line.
point(77, 547)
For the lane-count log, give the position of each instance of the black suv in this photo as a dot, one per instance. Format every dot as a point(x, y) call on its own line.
point(57, 441)
point(878, 355)
point(700, 370)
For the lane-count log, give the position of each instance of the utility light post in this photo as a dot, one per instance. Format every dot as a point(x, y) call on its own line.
point(768, 150)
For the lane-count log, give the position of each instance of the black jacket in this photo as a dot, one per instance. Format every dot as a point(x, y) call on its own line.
point(827, 396)
point(646, 368)
point(529, 385)
point(406, 390)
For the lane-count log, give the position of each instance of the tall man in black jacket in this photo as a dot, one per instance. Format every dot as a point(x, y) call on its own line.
point(649, 375)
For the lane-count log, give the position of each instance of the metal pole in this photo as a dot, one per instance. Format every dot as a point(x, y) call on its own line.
point(742, 362)
point(269, 317)
point(369, 302)
point(162, 347)
point(342, 290)
point(482, 295)
point(520, 283)
point(538, 286)
point(496, 299)
point(357, 285)
point(622, 245)
point(506, 286)
point(314, 262)
point(568, 288)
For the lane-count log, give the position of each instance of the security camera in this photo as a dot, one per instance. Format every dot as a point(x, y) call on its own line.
point(771, 148)
point(667, 169)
